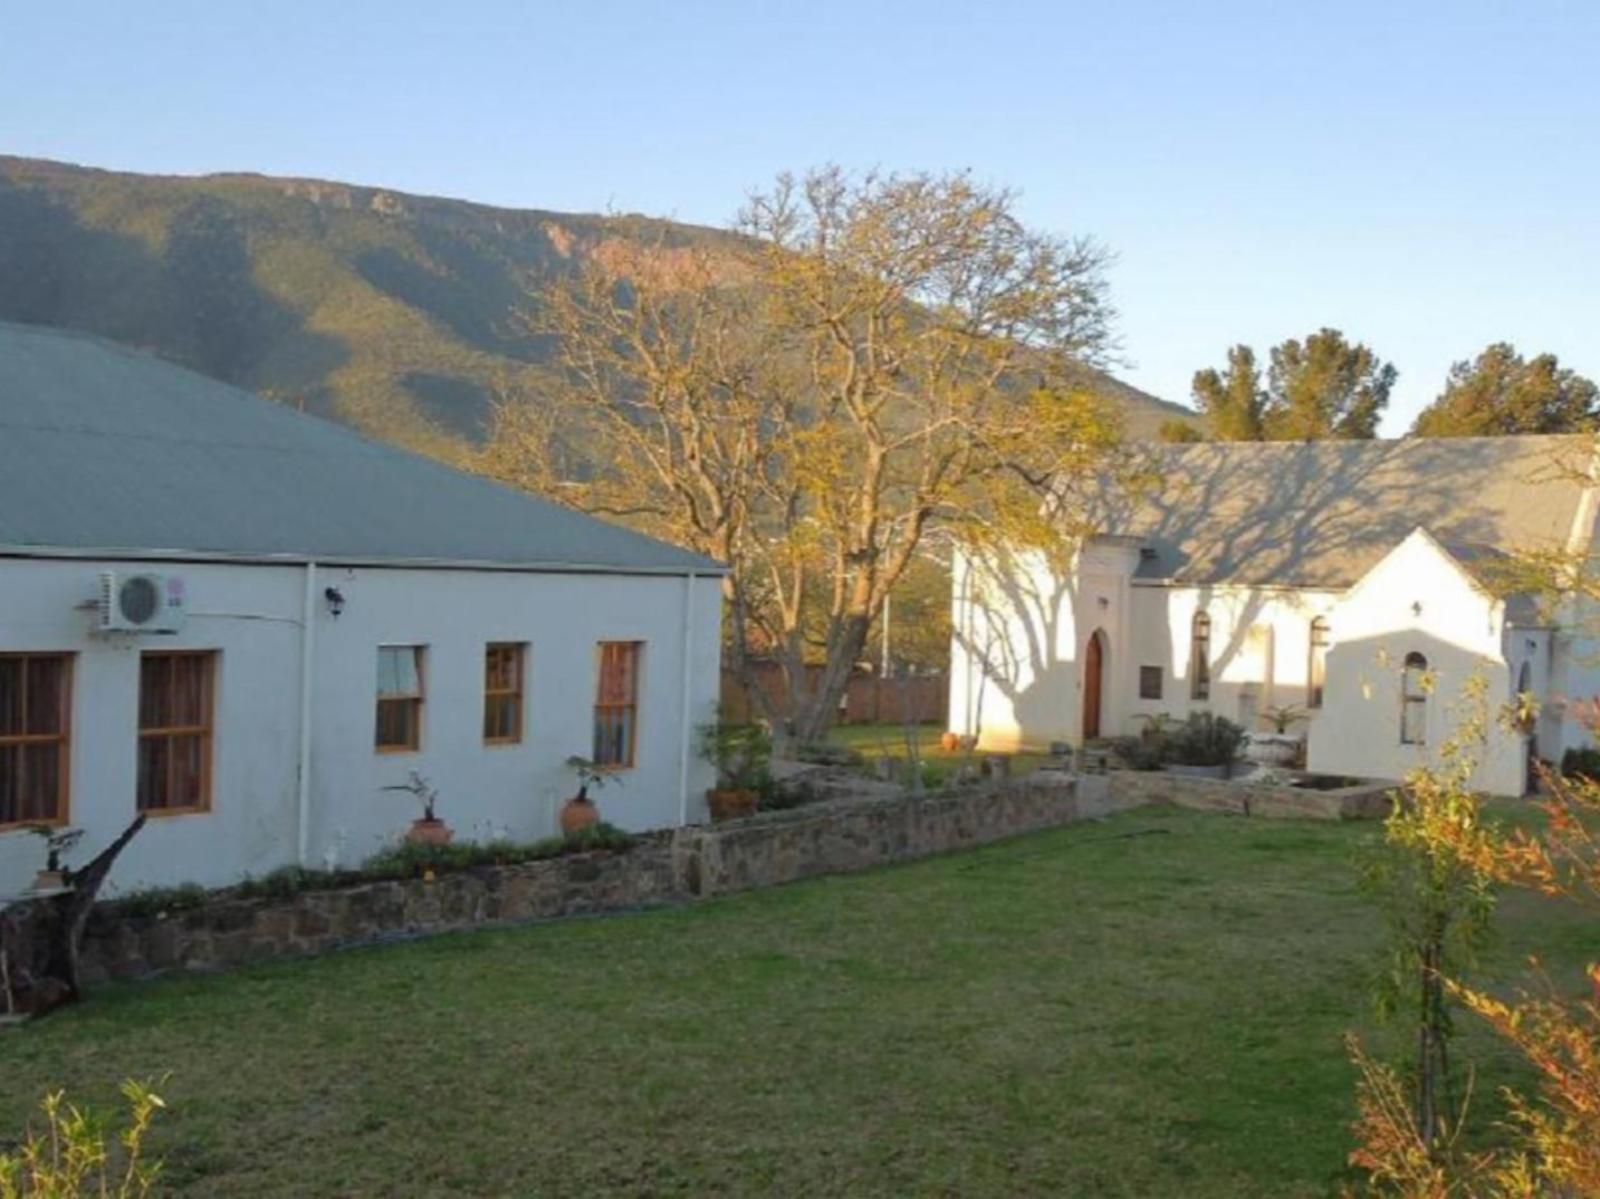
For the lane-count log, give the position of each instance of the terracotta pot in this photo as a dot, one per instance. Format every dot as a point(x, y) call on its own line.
point(950, 742)
point(577, 814)
point(429, 832)
point(730, 804)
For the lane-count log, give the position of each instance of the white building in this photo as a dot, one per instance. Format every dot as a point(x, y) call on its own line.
point(344, 614)
point(1352, 579)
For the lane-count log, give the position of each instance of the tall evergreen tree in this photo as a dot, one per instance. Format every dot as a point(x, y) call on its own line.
point(1233, 403)
point(1325, 387)
point(1500, 393)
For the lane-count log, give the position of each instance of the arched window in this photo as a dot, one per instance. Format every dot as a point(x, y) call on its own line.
point(1200, 657)
point(1317, 662)
point(1414, 701)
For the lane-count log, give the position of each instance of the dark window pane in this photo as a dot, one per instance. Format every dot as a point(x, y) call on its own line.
point(11, 683)
point(154, 755)
point(186, 787)
point(155, 677)
point(11, 784)
point(188, 691)
point(46, 681)
point(500, 718)
point(41, 781)
point(397, 723)
point(1150, 679)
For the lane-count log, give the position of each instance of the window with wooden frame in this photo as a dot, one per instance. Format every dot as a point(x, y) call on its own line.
point(401, 683)
point(1414, 687)
point(35, 737)
point(1150, 678)
point(616, 708)
point(175, 731)
point(1200, 657)
point(503, 663)
point(1317, 663)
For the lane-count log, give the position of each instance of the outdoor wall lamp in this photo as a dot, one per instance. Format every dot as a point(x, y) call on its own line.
point(335, 599)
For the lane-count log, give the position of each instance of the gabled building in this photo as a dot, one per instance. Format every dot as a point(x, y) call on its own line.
point(248, 623)
point(1354, 580)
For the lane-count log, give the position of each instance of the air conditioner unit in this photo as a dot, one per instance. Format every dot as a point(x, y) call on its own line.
point(142, 603)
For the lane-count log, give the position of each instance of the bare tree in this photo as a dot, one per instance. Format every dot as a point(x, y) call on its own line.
point(881, 357)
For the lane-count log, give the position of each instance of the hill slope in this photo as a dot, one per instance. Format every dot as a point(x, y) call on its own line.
point(390, 312)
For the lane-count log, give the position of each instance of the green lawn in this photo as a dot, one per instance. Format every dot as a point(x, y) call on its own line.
point(889, 740)
point(1147, 1006)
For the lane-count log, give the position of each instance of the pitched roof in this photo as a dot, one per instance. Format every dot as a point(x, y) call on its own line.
point(1321, 514)
point(106, 449)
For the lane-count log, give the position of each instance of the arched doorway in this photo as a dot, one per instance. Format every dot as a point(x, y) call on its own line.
point(1094, 670)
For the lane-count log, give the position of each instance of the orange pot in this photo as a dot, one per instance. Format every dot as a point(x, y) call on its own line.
point(429, 832)
point(950, 742)
point(577, 814)
point(729, 804)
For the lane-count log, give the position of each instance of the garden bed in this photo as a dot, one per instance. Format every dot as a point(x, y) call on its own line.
point(1273, 795)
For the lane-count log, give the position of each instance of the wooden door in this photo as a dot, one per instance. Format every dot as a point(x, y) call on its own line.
point(1093, 672)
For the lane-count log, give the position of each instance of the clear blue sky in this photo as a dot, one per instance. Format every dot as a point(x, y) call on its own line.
point(1424, 176)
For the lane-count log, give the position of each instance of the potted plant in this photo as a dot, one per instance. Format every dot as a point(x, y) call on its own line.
point(1205, 746)
point(579, 812)
point(427, 829)
point(1279, 747)
point(742, 754)
point(58, 842)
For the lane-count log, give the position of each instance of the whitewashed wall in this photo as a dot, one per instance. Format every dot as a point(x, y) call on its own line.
point(1260, 648)
point(1021, 624)
point(1416, 600)
point(252, 616)
point(1019, 639)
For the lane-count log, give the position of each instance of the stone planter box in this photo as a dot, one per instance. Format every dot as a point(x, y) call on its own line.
point(1273, 749)
point(1199, 772)
point(1363, 799)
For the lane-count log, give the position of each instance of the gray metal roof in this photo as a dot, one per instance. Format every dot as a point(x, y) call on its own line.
point(106, 449)
point(1321, 514)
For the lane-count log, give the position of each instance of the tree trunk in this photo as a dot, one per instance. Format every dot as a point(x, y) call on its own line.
point(1433, 1063)
point(815, 712)
point(43, 956)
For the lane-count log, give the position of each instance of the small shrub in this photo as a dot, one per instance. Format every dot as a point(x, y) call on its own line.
point(1140, 753)
point(1206, 739)
point(740, 752)
point(406, 860)
point(934, 776)
point(71, 1159)
point(825, 753)
point(409, 860)
point(779, 796)
point(153, 901)
point(1581, 761)
point(596, 836)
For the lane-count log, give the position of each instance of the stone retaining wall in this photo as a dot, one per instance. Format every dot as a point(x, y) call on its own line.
point(237, 931)
point(845, 835)
point(676, 867)
point(1366, 800)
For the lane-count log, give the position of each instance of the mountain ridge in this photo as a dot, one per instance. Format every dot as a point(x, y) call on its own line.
point(395, 312)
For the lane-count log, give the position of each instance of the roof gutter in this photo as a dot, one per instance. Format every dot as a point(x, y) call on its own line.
point(699, 569)
point(685, 707)
point(308, 653)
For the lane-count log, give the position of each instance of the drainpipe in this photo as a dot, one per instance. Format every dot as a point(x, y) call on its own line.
point(687, 642)
point(308, 645)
